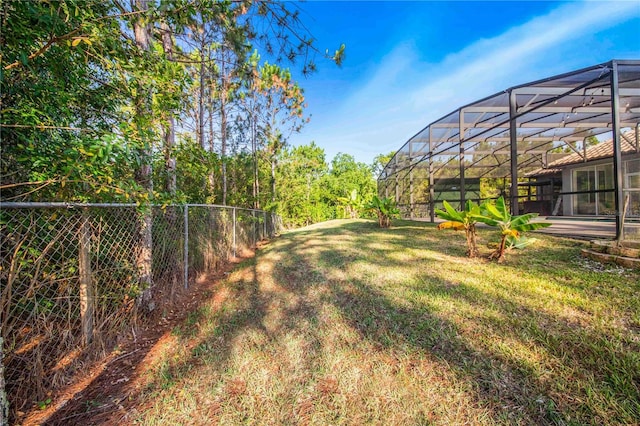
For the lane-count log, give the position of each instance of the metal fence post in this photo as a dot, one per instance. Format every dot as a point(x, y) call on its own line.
point(254, 227)
point(186, 246)
point(86, 281)
point(86, 250)
point(264, 218)
point(234, 231)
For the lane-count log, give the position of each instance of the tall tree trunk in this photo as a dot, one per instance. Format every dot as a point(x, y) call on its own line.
point(211, 178)
point(196, 117)
point(223, 90)
point(223, 144)
point(274, 161)
point(143, 175)
point(256, 174)
point(169, 127)
point(169, 139)
point(201, 96)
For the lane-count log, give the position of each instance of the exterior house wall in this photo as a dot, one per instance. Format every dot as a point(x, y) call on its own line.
point(567, 179)
point(547, 194)
point(567, 182)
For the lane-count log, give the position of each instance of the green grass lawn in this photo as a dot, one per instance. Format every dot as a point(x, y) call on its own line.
point(345, 323)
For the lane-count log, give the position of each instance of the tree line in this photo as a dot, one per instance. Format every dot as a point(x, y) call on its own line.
point(166, 101)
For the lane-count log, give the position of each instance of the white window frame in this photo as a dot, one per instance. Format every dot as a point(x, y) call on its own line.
point(595, 168)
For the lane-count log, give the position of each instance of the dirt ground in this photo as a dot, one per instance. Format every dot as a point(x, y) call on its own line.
point(107, 394)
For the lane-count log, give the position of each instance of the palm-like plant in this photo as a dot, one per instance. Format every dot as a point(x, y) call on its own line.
point(385, 208)
point(511, 227)
point(352, 204)
point(465, 219)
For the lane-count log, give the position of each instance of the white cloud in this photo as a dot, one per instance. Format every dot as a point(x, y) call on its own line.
point(522, 53)
point(404, 94)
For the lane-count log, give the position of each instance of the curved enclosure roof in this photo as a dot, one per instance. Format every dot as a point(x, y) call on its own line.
point(540, 118)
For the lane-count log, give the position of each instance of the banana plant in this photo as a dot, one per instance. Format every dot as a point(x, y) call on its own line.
point(459, 220)
point(385, 208)
point(511, 227)
point(352, 204)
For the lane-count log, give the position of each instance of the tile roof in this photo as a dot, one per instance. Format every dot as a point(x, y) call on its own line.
point(595, 152)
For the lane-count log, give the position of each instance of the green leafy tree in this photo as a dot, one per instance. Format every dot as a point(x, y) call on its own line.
point(59, 102)
point(282, 105)
point(347, 175)
point(380, 161)
point(77, 75)
point(299, 182)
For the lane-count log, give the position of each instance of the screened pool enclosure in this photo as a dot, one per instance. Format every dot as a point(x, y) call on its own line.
point(566, 145)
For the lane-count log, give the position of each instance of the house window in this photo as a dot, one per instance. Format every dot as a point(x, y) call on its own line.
point(584, 180)
point(589, 179)
point(632, 183)
point(606, 200)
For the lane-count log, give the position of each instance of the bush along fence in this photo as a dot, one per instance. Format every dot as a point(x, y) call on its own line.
point(74, 276)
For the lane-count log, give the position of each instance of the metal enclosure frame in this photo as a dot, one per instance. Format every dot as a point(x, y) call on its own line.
point(510, 133)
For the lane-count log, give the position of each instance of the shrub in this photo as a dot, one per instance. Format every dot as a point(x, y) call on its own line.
point(385, 208)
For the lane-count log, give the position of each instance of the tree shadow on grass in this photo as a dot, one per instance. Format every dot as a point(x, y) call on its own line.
point(282, 292)
point(254, 314)
point(510, 386)
point(390, 326)
point(106, 398)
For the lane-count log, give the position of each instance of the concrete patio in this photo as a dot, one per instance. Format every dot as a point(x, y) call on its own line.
point(581, 228)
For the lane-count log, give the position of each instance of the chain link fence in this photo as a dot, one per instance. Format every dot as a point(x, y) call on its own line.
point(74, 276)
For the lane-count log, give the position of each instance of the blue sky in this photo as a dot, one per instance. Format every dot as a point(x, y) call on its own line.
point(410, 63)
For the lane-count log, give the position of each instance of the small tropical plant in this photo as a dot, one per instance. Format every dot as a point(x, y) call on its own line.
point(511, 227)
point(385, 208)
point(465, 219)
point(352, 204)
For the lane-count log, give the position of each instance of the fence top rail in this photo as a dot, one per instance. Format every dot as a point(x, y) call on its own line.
point(223, 207)
point(45, 205)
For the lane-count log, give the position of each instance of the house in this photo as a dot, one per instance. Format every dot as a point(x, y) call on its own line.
point(582, 183)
